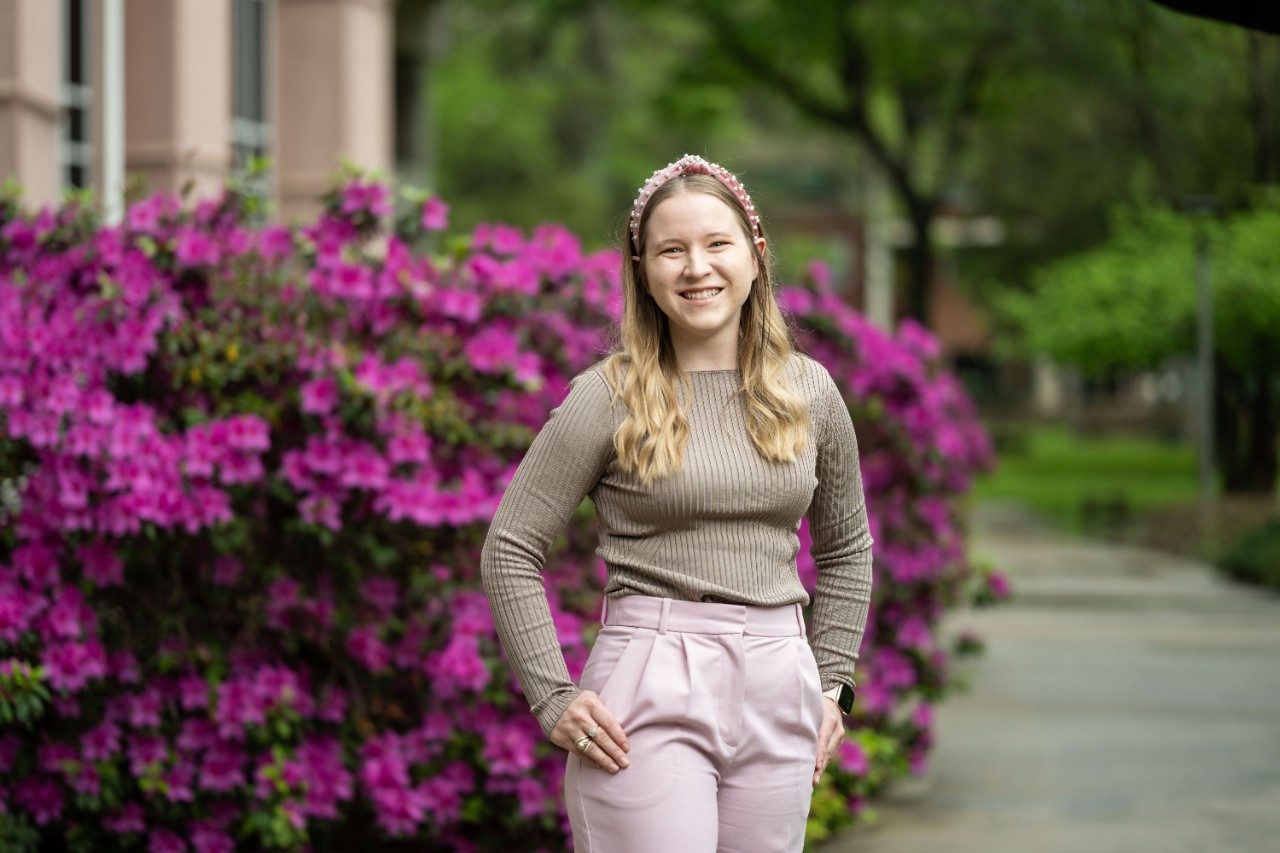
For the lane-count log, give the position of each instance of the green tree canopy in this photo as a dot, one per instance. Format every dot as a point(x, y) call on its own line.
point(1130, 304)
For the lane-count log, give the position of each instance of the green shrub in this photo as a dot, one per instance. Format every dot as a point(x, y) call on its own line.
point(1255, 557)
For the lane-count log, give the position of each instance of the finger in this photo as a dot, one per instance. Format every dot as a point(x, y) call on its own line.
point(607, 733)
point(596, 753)
point(610, 724)
point(834, 742)
point(606, 751)
point(603, 749)
point(824, 740)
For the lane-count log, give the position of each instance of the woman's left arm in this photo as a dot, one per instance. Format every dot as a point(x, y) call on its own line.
point(841, 543)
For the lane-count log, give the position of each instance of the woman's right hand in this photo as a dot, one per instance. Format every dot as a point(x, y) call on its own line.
point(584, 713)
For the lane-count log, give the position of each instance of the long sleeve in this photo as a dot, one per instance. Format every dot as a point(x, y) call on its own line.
point(564, 462)
point(841, 544)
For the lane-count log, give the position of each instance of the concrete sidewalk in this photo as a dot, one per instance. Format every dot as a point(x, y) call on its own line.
point(1128, 701)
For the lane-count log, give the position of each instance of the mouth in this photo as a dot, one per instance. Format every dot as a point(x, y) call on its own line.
point(701, 296)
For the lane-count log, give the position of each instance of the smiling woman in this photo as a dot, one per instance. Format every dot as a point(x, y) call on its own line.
point(710, 726)
point(700, 273)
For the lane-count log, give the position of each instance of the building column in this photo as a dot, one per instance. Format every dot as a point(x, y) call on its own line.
point(178, 79)
point(30, 75)
point(333, 64)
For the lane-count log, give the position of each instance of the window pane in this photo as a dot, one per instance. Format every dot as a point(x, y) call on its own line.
point(74, 44)
point(247, 56)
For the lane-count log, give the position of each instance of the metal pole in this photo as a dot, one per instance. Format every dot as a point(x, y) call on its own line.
point(1204, 364)
point(877, 269)
point(113, 110)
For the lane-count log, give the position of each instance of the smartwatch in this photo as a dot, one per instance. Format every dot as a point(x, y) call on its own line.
point(843, 696)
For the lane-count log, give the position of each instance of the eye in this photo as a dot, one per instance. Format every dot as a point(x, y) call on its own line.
point(720, 242)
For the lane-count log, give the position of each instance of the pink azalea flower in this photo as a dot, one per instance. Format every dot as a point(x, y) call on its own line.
point(853, 758)
point(435, 214)
point(318, 396)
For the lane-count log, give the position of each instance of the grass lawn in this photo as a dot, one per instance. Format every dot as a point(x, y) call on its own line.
point(1056, 472)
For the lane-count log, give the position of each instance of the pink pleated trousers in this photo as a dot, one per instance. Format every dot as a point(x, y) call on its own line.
point(721, 704)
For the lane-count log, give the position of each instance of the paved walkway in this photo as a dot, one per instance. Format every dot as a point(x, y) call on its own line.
point(1128, 701)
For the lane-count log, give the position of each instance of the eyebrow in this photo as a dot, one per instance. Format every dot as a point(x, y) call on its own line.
point(708, 234)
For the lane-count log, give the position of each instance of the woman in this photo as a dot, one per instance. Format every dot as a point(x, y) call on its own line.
point(700, 723)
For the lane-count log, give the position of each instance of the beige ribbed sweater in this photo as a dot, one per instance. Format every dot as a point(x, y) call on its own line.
point(723, 529)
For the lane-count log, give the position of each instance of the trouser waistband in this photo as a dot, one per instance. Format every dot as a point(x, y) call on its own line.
point(702, 617)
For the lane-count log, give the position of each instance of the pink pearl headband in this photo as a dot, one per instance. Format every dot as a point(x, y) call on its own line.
point(690, 164)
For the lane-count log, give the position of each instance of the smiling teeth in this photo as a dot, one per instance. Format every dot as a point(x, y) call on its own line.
point(701, 294)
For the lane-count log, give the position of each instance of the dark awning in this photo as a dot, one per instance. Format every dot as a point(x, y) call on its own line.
point(1251, 14)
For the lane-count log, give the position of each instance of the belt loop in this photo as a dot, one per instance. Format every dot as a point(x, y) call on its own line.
point(800, 619)
point(604, 611)
point(662, 620)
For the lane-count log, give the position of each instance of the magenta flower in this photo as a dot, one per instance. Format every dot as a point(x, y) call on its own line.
point(275, 242)
point(18, 608)
point(208, 837)
point(194, 249)
point(435, 214)
point(128, 819)
point(327, 780)
point(38, 564)
point(491, 350)
point(366, 197)
point(70, 666)
point(318, 396)
point(164, 841)
point(196, 735)
point(100, 743)
point(367, 648)
point(145, 708)
point(223, 768)
point(853, 758)
point(101, 564)
point(458, 668)
point(510, 750)
point(145, 751)
point(381, 593)
point(41, 798)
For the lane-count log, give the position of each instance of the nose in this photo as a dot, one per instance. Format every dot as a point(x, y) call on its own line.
point(696, 265)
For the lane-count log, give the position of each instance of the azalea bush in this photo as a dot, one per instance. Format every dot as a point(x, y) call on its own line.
point(245, 475)
point(920, 445)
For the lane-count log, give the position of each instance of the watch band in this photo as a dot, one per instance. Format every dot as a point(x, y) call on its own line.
point(842, 695)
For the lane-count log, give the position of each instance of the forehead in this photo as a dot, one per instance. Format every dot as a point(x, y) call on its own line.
point(690, 214)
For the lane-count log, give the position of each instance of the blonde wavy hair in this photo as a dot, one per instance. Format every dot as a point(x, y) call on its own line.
point(642, 369)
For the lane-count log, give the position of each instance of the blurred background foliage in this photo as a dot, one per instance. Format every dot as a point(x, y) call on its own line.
point(1085, 129)
point(1044, 113)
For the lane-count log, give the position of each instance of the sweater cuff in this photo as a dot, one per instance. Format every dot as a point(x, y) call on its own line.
point(830, 681)
point(552, 708)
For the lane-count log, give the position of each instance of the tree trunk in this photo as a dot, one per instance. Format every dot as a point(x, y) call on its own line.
point(920, 260)
point(1247, 417)
point(1263, 426)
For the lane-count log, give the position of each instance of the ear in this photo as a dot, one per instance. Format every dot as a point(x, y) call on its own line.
point(755, 265)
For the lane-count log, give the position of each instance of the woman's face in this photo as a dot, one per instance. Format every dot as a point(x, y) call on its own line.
point(694, 242)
